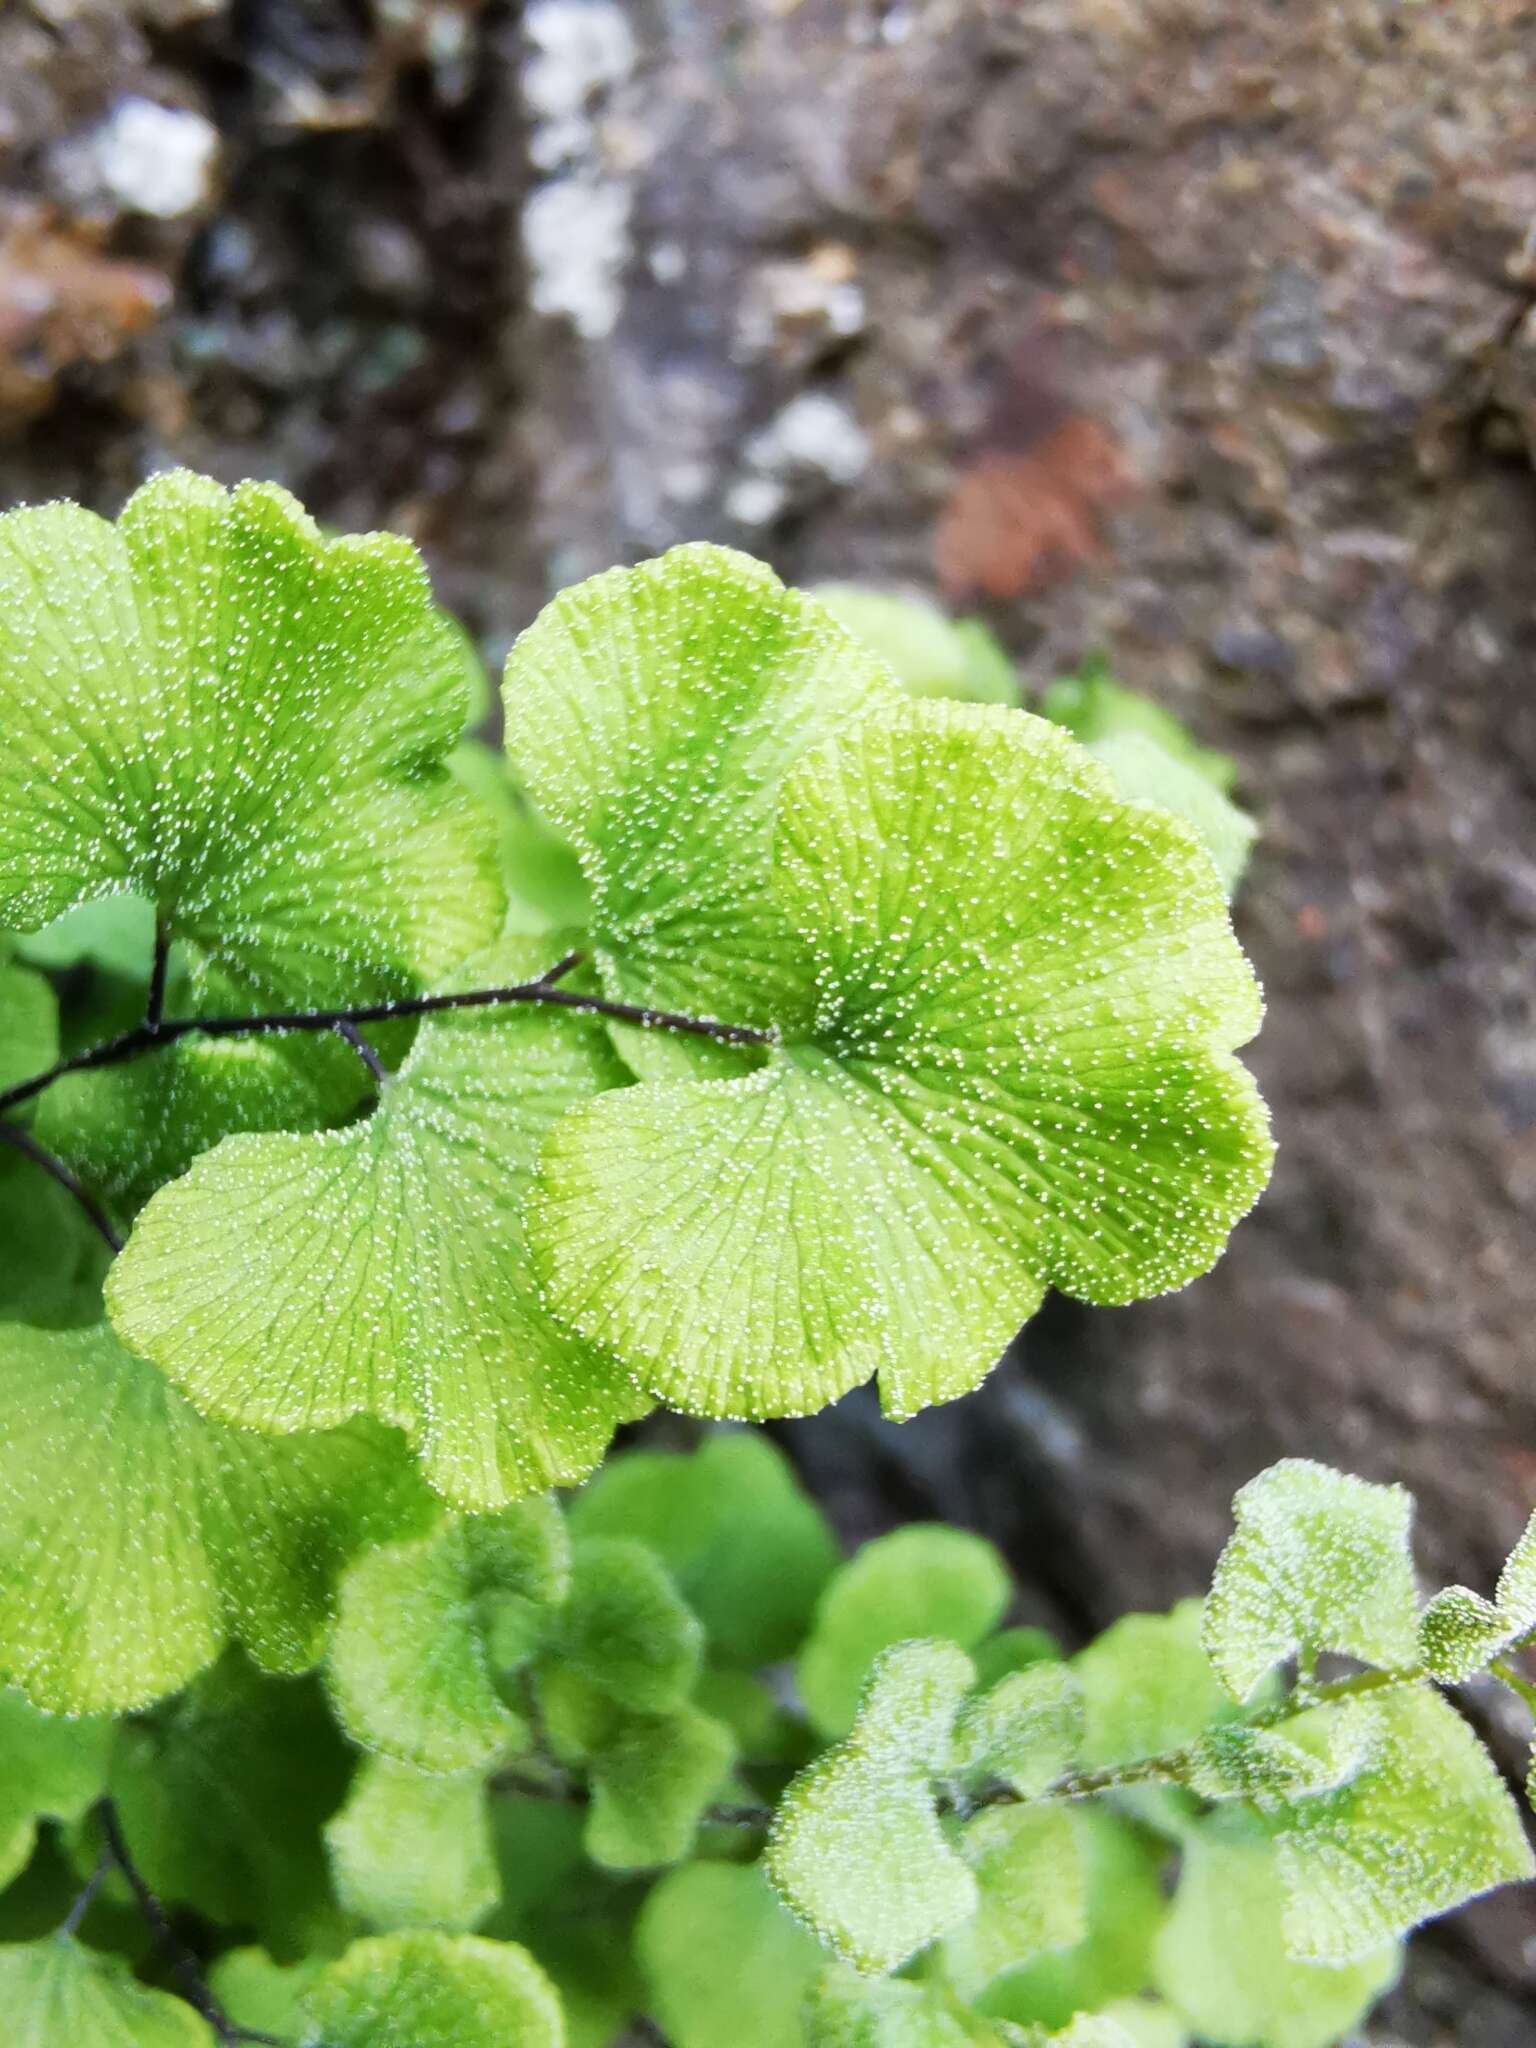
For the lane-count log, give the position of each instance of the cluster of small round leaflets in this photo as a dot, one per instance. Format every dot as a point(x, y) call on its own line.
point(995, 1004)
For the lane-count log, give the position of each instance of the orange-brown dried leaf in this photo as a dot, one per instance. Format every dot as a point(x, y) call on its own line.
point(1017, 521)
point(62, 301)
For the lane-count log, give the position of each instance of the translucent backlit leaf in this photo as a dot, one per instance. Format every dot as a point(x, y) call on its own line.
point(1308, 1753)
point(1318, 1561)
point(56, 1994)
point(1147, 773)
point(723, 1961)
point(292, 1281)
point(411, 1850)
point(213, 707)
point(857, 1850)
point(433, 1990)
point(923, 1580)
point(1009, 1067)
point(1460, 1632)
point(410, 1670)
point(1427, 1826)
point(136, 1539)
point(626, 1629)
point(749, 1550)
point(1220, 1958)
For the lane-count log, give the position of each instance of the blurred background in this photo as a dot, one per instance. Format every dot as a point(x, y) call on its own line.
point(1198, 336)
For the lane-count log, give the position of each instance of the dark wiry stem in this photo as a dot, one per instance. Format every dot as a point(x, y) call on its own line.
point(23, 1142)
point(130, 1045)
point(183, 1964)
point(84, 1900)
point(365, 1052)
point(154, 1009)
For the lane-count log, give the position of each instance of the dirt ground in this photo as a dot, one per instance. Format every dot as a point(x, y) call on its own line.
point(1199, 334)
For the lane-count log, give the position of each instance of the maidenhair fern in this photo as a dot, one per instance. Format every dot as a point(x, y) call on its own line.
point(383, 1124)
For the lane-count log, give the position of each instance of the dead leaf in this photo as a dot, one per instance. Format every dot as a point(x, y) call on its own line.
point(1018, 520)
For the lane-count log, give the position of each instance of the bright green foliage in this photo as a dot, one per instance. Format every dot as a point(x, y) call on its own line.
point(626, 1629)
point(652, 1777)
point(1125, 1907)
point(56, 1994)
point(221, 1797)
point(382, 1267)
point(50, 1275)
point(1310, 1752)
point(857, 1851)
point(412, 1850)
point(29, 1024)
point(1148, 2023)
point(1319, 1561)
point(264, 1996)
point(410, 1670)
point(749, 1552)
point(1032, 1892)
point(1093, 707)
point(723, 1961)
point(1461, 1633)
point(652, 715)
point(434, 1991)
point(211, 706)
point(1026, 1731)
point(1147, 1686)
point(158, 1536)
point(1146, 773)
point(113, 933)
point(48, 1768)
point(1425, 1826)
point(935, 1134)
point(924, 1580)
point(546, 890)
point(929, 655)
point(849, 2011)
point(1221, 1960)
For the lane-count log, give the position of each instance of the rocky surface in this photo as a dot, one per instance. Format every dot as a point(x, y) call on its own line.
point(1201, 335)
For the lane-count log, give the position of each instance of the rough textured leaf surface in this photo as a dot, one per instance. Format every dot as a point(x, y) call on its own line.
point(857, 1851)
point(1318, 1561)
point(136, 1539)
point(426, 1990)
point(1460, 1632)
point(211, 706)
point(292, 1281)
point(1008, 1066)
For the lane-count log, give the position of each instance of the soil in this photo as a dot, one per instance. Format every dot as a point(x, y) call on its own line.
point(1200, 335)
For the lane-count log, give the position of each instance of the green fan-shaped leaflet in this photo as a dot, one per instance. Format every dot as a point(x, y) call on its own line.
point(263, 1996)
point(1318, 1561)
point(1425, 1826)
point(923, 1580)
point(723, 1961)
point(222, 1795)
point(857, 1850)
point(1093, 707)
point(1460, 1632)
point(626, 1629)
point(290, 1281)
point(1125, 1906)
point(136, 1539)
point(433, 1991)
point(652, 714)
point(653, 1776)
point(930, 655)
point(48, 1766)
point(211, 706)
point(1007, 1066)
point(1220, 1958)
point(1025, 1731)
point(412, 1850)
point(1147, 773)
point(56, 1994)
point(749, 1550)
point(412, 1668)
point(845, 2010)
